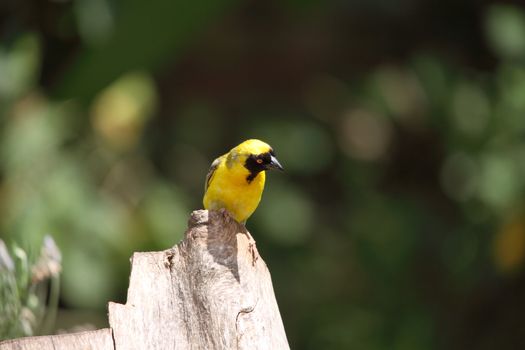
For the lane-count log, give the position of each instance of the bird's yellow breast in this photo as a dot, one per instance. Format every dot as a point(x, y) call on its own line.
point(229, 188)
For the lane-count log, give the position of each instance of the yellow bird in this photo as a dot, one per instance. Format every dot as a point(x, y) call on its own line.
point(236, 179)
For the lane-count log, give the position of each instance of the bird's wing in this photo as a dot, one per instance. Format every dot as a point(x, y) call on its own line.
point(211, 172)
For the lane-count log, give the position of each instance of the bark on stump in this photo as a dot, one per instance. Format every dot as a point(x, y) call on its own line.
point(210, 291)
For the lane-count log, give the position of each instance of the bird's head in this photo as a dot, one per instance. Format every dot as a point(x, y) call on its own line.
point(256, 156)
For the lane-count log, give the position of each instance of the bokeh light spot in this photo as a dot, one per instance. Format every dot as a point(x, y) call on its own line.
point(505, 26)
point(121, 110)
point(365, 135)
point(19, 66)
point(401, 92)
point(470, 109)
point(499, 181)
point(95, 20)
point(509, 245)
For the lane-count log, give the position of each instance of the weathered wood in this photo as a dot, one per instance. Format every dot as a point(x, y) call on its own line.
point(100, 339)
point(210, 291)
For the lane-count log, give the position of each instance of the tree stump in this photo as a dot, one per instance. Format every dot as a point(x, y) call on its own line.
point(210, 291)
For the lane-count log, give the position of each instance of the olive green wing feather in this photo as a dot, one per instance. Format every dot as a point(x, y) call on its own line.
point(214, 165)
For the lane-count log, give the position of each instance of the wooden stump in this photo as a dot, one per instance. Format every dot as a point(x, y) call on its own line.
point(210, 291)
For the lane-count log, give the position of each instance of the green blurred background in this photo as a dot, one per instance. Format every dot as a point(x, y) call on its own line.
point(399, 222)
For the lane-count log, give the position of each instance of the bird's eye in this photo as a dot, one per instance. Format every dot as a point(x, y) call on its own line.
point(259, 161)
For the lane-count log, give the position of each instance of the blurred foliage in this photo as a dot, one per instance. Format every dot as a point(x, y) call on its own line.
point(399, 222)
point(29, 303)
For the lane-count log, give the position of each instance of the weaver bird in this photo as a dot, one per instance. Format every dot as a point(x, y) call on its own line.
point(236, 179)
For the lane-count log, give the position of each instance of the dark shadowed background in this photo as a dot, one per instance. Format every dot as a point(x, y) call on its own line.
point(399, 221)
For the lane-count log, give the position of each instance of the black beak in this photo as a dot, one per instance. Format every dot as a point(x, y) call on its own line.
point(274, 164)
